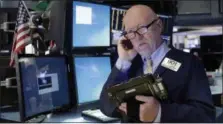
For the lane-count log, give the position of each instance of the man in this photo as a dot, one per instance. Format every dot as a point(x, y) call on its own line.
point(182, 73)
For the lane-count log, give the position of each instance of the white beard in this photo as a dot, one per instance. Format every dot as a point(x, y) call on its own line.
point(148, 52)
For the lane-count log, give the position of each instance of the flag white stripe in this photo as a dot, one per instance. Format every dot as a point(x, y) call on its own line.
point(22, 34)
point(22, 26)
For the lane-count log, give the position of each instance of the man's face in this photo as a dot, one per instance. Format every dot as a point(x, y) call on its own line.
point(145, 44)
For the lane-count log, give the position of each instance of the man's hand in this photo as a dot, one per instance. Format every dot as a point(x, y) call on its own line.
point(128, 55)
point(148, 110)
point(123, 107)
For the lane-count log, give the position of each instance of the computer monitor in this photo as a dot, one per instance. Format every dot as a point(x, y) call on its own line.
point(90, 25)
point(212, 61)
point(91, 73)
point(42, 85)
point(211, 43)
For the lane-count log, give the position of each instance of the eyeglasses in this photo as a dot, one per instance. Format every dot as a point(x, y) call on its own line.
point(140, 31)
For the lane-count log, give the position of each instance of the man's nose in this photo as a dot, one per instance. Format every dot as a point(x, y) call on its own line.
point(137, 40)
point(138, 37)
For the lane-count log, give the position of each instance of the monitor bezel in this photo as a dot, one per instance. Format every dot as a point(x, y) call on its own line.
point(69, 30)
point(24, 118)
point(94, 102)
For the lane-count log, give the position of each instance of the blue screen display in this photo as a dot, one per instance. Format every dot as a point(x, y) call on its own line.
point(91, 75)
point(91, 25)
point(45, 83)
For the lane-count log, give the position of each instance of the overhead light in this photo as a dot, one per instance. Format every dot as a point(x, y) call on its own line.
point(175, 29)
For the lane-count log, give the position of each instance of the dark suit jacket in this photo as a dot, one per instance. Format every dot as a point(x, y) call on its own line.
point(188, 89)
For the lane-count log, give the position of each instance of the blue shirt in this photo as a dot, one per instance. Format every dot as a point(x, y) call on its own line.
point(156, 56)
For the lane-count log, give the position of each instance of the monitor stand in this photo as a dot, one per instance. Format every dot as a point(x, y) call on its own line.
point(37, 119)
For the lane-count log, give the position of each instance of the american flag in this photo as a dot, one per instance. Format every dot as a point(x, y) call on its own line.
point(22, 31)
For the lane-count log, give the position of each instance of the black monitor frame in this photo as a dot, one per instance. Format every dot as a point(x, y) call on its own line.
point(23, 118)
point(68, 44)
point(216, 43)
point(95, 102)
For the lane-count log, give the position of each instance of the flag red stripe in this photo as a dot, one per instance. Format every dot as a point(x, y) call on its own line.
point(23, 41)
point(20, 47)
point(22, 38)
point(12, 61)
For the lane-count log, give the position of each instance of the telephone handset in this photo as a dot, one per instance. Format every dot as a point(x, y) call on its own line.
point(127, 45)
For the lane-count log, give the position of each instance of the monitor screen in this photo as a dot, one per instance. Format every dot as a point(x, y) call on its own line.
point(91, 74)
point(212, 61)
point(44, 84)
point(211, 43)
point(91, 25)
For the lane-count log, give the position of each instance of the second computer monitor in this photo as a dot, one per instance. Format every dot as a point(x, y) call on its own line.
point(43, 84)
point(91, 73)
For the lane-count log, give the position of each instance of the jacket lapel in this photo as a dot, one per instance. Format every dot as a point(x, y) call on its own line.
point(137, 67)
point(160, 70)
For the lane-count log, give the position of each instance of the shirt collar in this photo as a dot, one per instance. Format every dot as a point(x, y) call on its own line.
point(162, 50)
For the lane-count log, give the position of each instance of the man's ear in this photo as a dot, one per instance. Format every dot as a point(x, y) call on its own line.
point(160, 25)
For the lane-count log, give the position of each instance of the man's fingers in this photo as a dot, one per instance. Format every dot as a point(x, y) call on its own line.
point(120, 40)
point(123, 107)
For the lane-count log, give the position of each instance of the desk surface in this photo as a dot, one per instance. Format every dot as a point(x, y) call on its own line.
point(68, 117)
point(73, 115)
